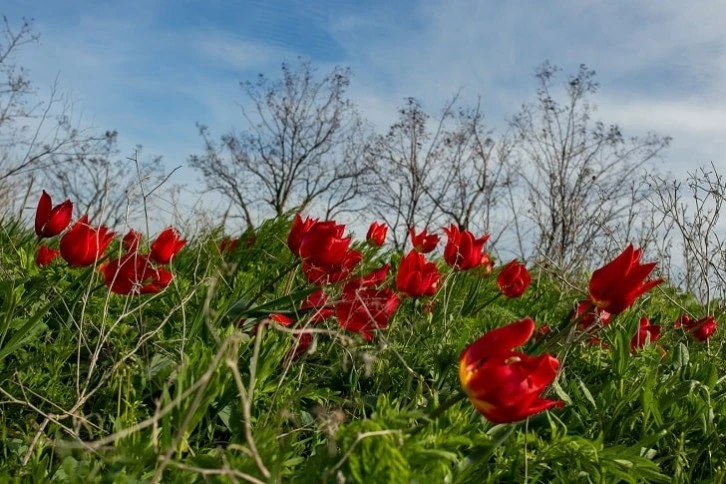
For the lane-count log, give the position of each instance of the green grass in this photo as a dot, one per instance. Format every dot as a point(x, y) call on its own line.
point(174, 387)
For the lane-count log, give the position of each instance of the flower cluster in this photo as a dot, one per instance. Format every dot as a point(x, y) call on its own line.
point(504, 382)
point(84, 244)
point(365, 304)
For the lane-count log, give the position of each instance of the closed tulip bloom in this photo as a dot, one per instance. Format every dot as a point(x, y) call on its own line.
point(416, 277)
point(615, 286)
point(423, 242)
point(324, 245)
point(45, 255)
point(505, 385)
point(298, 230)
point(83, 245)
point(700, 330)
point(135, 274)
point(49, 220)
point(514, 279)
point(463, 251)
point(376, 234)
point(167, 244)
point(646, 333)
point(365, 310)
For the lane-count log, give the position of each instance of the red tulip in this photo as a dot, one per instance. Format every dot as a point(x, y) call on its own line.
point(423, 242)
point(317, 304)
point(416, 277)
point(281, 319)
point(700, 330)
point(135, 274)
point(131, 241)
point(45, 255)
point(324, 244)
point(167, 244)
point(541, 332)
point(502, 384)
point(374, 279)
point(615, 286)
point(227, 245)
point(514, 279)
point(303, 342)
point(49, 220)
point(82, 245)
point(463, 251)
point(646, 333)
point(331, 274)
point(297, 232)
point(365, 310)
point(376, 234)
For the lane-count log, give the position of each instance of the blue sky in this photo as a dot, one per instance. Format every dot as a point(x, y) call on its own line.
point(151, 69)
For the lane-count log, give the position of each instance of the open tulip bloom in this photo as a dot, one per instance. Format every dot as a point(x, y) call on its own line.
point(615, 286)
point(135, 274)
point(505, 385)
point(167, 244)
point(416, 277)
point(365, 310)
point(298, 230)
point(423, 242)
point(463, 251)
point(83, 245)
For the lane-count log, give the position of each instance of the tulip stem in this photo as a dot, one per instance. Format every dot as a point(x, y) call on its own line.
point(569, 324)
point(487, 303)
point(439, 411)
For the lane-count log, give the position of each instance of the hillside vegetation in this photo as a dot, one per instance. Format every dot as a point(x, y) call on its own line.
point(217, 360)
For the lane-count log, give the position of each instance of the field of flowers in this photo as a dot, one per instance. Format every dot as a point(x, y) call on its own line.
point(296, 354)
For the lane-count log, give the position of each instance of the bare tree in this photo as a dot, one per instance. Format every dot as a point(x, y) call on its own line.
point(31, 131)
point(402, 163)
point(471, 174)
point(112, 191)
point(698, 263)
point(427, 174)
point(581, 178)
point(299, 146)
